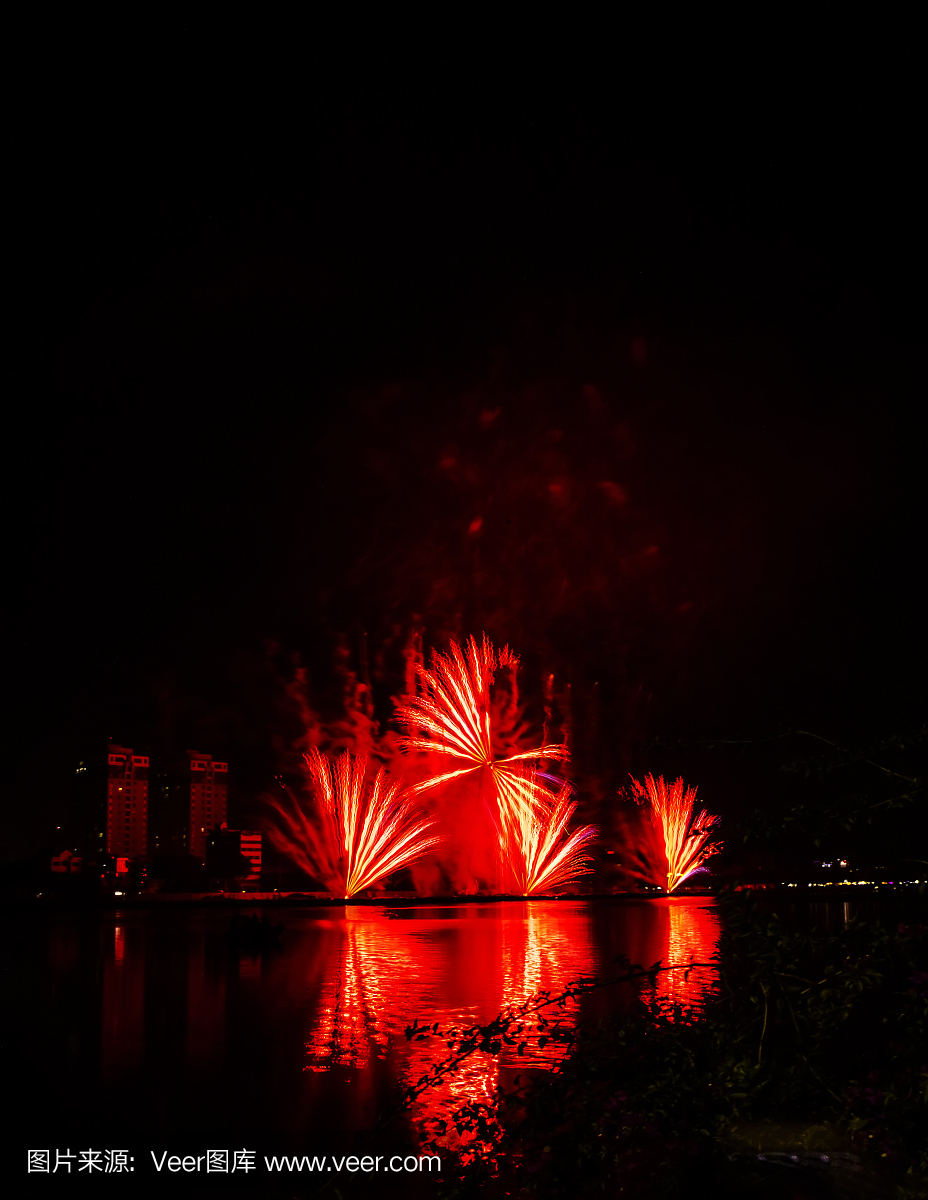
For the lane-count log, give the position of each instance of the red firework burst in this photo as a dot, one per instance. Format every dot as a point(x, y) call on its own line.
point(450, 716)
point(357, 835)
point(685, 835)
point(535, 843)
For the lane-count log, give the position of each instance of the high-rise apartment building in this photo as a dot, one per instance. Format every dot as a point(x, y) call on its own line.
point(126, 803)
point(208, 799)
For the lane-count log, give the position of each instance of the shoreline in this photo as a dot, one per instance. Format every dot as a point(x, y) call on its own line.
point(235, 900)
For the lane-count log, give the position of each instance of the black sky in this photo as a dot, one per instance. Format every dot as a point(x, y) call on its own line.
point(262, 294)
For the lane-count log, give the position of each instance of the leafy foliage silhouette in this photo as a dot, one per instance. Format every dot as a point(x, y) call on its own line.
point(829, 1030)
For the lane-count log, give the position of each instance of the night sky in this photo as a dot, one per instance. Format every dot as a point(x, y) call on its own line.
point(615, 355)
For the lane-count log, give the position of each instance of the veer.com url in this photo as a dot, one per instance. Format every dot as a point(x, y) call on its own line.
point(368, 1163)
point(224, 1162)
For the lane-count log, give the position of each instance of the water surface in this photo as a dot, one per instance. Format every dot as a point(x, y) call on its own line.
point(150, 1021)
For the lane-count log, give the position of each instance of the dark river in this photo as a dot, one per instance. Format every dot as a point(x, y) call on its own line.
point(149, 1026)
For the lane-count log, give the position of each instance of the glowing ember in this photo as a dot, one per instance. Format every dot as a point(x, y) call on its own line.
point(534, 840)
point(358, 835)
point(684, 834)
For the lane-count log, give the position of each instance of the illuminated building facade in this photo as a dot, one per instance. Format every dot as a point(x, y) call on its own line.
point(126, 802)
point(208, 799)
point(251, 848)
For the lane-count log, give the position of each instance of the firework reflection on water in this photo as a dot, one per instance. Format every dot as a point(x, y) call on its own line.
point(690, 931)
point(460, 967)
point(389, 971)
point(186, 1025)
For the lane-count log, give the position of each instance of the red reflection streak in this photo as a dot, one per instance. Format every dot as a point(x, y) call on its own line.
point(551, 951)
point(690, 932)
point(387, 975)
point(123, 1015)
point(355, 1014)
point(538, 950)
point(206, 1018)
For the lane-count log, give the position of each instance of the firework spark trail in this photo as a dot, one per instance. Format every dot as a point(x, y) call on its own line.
point(684, 834)
point(535, 844)
point(365, 834)
point(450, 716)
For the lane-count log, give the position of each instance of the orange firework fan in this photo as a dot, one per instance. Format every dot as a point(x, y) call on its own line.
point(450, 716)
point(363, 835)
point(684, 834)
point(536, 846)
